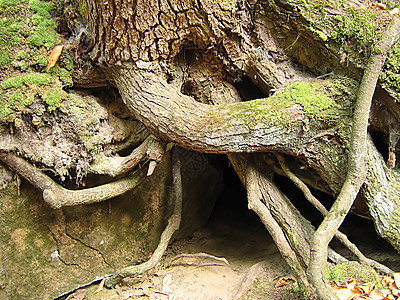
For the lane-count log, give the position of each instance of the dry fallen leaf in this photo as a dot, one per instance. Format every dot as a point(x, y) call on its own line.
point(100, 287)
point(391, 163)
point(379, 5)
point(126, 292)
point(55, 54)
point(387, 280)
point(166, 282)
point(77, 295)
point(343, 57)
point(345, 294)
point(395, 11)
point(367, 287)
point(282, 281)
point(396, 277)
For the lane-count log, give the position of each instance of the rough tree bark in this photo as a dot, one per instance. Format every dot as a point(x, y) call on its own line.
point(149, 92)
point(178, 67)
point(357, 168)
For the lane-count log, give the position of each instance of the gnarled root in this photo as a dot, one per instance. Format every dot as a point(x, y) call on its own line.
point(339, 235)
point(173, 225)
point(151, 148)
point(357, 168)
point(57, 196)
point(255, 199)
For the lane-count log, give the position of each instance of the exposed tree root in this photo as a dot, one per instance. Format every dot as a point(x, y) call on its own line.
point(57, 196)
point(247, 281)
point(357, 168)
point(255, 199)
point(173, 225)
point(151, 148)
point(339, 235)
point(177, 258)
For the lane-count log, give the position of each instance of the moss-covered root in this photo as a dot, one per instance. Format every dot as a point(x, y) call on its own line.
point(57, 196)
point(357, 166)
point(173, 225)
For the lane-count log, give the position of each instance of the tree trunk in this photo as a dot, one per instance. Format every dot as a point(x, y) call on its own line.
point(239, 77)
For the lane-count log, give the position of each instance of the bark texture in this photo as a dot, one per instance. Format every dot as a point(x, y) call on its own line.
point(160, 79)
point(229, 77)
point(357, 168)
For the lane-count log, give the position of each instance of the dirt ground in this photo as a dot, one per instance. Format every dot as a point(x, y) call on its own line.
point(254, 271)
point(241, 261)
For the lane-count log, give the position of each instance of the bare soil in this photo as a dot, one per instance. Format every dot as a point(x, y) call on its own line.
point(255, 266)
point(256, 269)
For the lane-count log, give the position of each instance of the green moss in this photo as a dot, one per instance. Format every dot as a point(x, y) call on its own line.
point(5, 56)
point(44, 33)
point(18, 92)
point(353, 31)
point(54, 97)
point(320, 99)
point(25, 23)
point(41, 60)
point(5, 111)
point(8, 37)
point(272, 111)
point(358, 25)
point(63, 74)
point(27, 79)
point(6, 3)
point(352, 269)
point(16, 97)
point(391, 73)
point(311, 96)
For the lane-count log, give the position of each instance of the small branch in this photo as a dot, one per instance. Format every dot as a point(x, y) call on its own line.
point(57, 196)
point(339, 235)
point(173, 225)
point(151, 147)
point(356, 165)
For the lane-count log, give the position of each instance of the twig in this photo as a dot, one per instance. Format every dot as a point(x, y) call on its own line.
point(339, 235)
point(57, 196)
point(173, 225)
point(356, 165)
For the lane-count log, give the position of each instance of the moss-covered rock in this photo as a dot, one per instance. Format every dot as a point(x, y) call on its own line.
point(27, 34)
point(391, 73)
point(352, 269)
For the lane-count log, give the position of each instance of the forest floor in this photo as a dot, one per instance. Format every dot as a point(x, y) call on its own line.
point(255, 271)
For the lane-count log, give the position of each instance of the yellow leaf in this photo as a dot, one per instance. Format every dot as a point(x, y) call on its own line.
point(376, 294)
point(282, 281)
point(396, 277)
point(387, 280)
point(395, 11)
point(100, 287)
point(55, 54)
point(352, 285)
point(367, 287)
point(379, 5)
point(396, 292)
point(345, 294)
